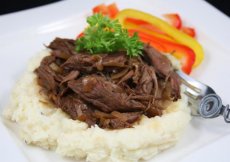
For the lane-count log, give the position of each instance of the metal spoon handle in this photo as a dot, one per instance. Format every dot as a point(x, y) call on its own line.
point(226, 113)
point(211, 106)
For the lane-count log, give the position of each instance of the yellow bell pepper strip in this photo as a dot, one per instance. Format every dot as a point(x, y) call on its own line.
point(184, 54)
point(174, 19)
point(179, 36)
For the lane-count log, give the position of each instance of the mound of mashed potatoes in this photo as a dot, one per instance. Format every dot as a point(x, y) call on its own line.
point(48, 127)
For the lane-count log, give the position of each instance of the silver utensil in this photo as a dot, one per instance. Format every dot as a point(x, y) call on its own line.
point(203, 100)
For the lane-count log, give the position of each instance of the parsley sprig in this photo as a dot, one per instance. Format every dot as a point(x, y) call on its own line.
point(104, 35)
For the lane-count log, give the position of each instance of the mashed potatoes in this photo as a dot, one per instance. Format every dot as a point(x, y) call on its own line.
point(43, 125)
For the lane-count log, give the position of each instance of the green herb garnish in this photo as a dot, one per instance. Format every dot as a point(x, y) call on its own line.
point(107, 36)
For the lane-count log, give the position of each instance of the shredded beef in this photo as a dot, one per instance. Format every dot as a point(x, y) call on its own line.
point(112, 91)
point(164, 68)
point(104, 95)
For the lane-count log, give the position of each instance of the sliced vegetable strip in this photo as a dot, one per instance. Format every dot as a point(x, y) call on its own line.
point(145, 26)
point(110, 10)
point(179, 36)
point(102, 8)
point(188, 30)
point(183, 53)
point(129, 25)
point(174, 20)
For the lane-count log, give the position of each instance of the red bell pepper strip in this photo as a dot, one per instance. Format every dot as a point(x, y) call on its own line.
point(144, 24)
point(80, 35)
point(101, 8)
point(178, 36)
point(174, 19)
point(188, 30)
point(112, 10)
point(151, 30)
point(183, 53)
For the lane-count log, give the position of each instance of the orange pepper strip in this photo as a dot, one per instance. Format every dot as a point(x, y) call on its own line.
point(183, 53)
point(143, 24)
point(146, 29)
point(179, 36)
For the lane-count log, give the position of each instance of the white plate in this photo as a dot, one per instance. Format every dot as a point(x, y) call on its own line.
point(23, 34)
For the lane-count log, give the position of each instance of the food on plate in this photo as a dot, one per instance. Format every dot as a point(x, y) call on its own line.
point(107, 36)
point(190, 31)
point(175, 20)
point(105, 96)
point(110, 90)
point(185, 54)
point(177, 35)
point(110, 10)
point(171, 37)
